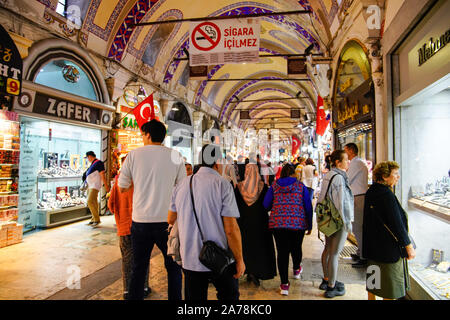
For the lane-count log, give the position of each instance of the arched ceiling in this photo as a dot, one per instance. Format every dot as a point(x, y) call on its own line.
point(107, 28)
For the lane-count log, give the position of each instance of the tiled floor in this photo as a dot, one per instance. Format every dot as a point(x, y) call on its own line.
point(43, 263)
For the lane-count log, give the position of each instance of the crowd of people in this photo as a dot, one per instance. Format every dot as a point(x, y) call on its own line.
point(259, 213)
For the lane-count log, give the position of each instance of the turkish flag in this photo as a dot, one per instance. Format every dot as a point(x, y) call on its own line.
point(295, 144)
point(145, 111)
point(321, 117)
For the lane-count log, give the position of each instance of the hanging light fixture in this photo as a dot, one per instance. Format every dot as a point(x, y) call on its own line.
point(141, 93)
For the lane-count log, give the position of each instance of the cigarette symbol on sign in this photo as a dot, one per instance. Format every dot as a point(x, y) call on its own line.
point(205, 36)
point(211, 33)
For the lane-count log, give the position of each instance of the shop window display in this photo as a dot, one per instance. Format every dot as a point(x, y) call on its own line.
point(361, 135)
point(425, 188)
point(10, 230)
point(51, 165)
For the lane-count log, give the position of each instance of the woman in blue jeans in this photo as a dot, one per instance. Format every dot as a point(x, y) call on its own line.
point(291, 215)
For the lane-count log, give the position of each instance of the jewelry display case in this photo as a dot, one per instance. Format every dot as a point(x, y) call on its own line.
point(53, 163)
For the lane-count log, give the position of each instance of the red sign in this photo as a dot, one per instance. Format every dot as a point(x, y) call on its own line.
point(206, 36)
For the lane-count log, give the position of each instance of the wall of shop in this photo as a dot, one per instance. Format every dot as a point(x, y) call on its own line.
point(419, 127)
point(355, 28)
point(415, 77)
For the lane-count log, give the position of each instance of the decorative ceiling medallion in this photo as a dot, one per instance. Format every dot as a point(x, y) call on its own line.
point(71, 74)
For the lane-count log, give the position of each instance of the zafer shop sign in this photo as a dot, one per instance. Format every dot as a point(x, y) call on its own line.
point(40, 103)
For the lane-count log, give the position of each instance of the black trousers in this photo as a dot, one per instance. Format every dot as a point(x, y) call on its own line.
point(144, 236)
point(196, 285)
point(288, 242)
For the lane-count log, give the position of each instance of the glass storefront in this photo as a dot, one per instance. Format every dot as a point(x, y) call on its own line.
point(421, 129)
point(52, 162)
point(425, 188)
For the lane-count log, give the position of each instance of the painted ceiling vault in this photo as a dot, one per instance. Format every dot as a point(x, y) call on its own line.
point(106, 28)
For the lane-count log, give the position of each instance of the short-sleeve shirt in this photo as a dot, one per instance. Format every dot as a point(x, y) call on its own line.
point(214, 198)
point(93, 177)
point(154, 170)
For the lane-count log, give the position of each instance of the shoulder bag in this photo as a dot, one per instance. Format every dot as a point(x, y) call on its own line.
point(211, 255)
point(84, 186)
point(329, 220)
point(403, 252)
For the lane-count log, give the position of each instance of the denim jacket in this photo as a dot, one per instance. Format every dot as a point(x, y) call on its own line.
point(340, 194)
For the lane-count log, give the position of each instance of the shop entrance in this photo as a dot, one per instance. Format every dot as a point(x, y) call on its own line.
point(52, 162)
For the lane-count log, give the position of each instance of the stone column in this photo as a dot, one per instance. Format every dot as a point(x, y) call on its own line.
point(381, 112)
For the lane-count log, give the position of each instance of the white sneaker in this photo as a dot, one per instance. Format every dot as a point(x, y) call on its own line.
point(284, 289)
point(298, 272)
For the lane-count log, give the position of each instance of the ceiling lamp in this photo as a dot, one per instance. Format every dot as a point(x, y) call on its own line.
point(141, 92)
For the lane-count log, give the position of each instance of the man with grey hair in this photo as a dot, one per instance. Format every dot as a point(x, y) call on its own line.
point(217, 211)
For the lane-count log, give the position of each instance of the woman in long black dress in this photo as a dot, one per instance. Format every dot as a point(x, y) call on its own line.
point(257, 242)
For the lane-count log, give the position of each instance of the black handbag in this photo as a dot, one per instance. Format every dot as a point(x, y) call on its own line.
point(212, 255)
point(403, 252)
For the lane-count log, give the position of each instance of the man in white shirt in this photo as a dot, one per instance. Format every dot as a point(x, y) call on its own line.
point(217, 211)
point(358, 179)
point(153, 170)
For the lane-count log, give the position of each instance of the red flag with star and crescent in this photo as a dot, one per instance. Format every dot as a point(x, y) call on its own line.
point(295, 145)
point(145, 111)
point(322, 121)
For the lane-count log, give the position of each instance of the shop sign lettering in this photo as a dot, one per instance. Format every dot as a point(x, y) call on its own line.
point(130, 123)
point(349, 112)
point(10, 65)
point(347, 84)
point(432, 47)
point(59, 108)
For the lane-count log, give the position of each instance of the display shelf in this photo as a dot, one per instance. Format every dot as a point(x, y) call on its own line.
point(9, 164)
point(8, 178)
point(8, 192)
point(41, 179)
point(436, 284)
point(63, 209)
point(4, 149)
point(7, 207)
point(10, 121)
point(431, 208)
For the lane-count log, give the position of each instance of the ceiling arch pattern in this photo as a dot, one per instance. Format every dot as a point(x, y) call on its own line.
point(289, 95)
point(295, 84)
point(134, 16)
point(242, 88)
point(139, 52)
point(212, 72)
point(89, 24)
point(273, 109)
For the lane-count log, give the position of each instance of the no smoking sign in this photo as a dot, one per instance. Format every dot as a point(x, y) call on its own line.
point(206, 36)
point(224, 41)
